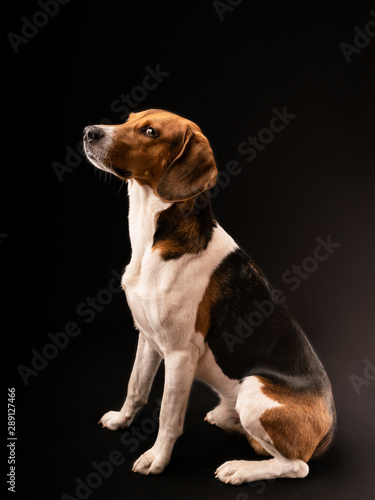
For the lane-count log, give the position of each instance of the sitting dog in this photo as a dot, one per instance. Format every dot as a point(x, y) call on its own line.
point(205, 308)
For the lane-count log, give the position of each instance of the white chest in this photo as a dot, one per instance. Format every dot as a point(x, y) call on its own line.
point(162, 304)
point(164, 295)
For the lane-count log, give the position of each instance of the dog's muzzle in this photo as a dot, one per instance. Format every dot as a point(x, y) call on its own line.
point(96, 142)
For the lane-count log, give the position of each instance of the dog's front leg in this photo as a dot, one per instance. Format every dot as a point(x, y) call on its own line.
point(180, 369)
point(146, 363)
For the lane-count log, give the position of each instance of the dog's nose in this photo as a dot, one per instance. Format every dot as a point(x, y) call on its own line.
point(92, 133)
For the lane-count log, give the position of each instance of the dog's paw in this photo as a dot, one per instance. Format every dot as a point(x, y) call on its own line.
point(234, 472)
point(210, 418)
point(114, 420)
point(150, 463)
point(224, 418)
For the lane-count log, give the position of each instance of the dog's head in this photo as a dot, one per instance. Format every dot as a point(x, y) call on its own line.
point(155, 147)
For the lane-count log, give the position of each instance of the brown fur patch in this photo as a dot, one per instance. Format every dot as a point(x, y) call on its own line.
point(192, 172)
point(297, 428)
point(211, 294)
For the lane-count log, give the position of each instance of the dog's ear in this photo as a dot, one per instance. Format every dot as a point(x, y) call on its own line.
point(191, 172)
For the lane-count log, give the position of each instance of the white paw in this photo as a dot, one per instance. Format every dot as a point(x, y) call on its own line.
point(114, 420)
point(233, 472)
point(224, 418)
point(150, 463)
point(210, 418)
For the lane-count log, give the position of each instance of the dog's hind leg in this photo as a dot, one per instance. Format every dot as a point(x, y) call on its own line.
point(289, 426)
point(224, 415)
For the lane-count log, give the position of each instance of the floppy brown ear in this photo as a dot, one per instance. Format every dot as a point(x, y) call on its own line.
point(191, 172)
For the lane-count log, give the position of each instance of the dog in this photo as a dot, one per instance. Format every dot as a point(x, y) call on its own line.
point(205, 308)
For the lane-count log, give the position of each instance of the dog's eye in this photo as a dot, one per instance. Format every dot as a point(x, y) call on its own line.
point(150, 132)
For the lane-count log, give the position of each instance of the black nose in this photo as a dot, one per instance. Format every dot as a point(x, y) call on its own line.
point(92, 133)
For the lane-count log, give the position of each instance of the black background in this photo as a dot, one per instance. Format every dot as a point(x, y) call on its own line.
point(63, 238)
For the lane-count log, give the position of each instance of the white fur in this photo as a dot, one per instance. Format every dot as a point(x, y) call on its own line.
point(144, 208)
point(98, 154)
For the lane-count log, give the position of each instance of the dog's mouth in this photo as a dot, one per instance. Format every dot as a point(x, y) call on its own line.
point(100, 159)
point(120, 172)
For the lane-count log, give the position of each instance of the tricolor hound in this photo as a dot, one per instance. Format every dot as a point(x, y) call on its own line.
point(205, 308)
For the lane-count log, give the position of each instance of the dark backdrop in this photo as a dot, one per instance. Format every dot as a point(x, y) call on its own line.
point(64, 235)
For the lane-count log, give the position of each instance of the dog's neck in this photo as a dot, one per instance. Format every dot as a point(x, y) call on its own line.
point(172, 228)
point(144, 208)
